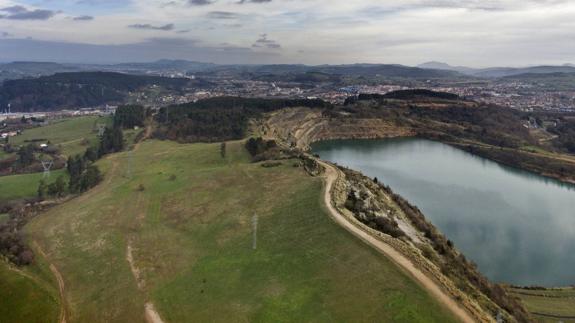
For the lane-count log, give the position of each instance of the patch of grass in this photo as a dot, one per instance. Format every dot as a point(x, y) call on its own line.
point(70, 133)
point(4, 154)
point(26, 299)
point(15, 187)
point(558, 302)
point(191, 239)
point(4, 217)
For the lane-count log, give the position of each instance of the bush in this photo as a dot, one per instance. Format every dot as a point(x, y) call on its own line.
point(271, 164)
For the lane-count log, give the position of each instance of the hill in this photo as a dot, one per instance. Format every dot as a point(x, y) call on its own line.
point(78, 90)
point(17, 70)
point(505, 71)
point(447, 67)
point(357, 70)
point(499, 72)
point(163, 65)
point(183, 245)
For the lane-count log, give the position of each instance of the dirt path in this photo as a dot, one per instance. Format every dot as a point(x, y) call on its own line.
point(331, 175)
point(61, 286)
point(151, 314)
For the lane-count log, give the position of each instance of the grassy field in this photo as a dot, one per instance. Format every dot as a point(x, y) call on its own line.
point(184, 219)
point(4, 154)
point(70, 133)
point(25, 298)
point(549, 305)
point(23, 186)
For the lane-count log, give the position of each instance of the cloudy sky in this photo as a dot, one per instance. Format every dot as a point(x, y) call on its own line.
point(475, 33)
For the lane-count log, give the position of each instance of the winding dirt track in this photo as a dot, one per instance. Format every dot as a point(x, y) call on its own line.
point(61, 286)
point(331, 175)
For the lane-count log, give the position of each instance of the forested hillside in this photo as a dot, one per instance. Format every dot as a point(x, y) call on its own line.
point(77, 90)
point(218, 119)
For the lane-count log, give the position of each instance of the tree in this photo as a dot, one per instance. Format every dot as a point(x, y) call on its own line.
point(58, 188)
point(129, 116)
point(76, 166)
point(42, 189)
point(26, 155)
point(112, 141)
point(91, 154)
point(90, 178)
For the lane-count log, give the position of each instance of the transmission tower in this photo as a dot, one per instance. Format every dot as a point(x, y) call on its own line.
point(47, 165)
point(101, 129)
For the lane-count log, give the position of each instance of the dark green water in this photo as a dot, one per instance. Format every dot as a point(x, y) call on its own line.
point(518, 227)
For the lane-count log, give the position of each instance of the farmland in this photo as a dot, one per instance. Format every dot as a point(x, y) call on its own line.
point(16, 187)
point(550, 305)
point(73, 135)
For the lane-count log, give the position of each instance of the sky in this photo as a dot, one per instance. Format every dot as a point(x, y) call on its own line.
point(459, 32)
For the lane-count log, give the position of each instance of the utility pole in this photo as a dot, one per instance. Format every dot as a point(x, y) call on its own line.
point(255, 231)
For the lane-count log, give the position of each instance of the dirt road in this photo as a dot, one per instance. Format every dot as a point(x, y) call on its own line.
point(331, 175)
point(61, 286)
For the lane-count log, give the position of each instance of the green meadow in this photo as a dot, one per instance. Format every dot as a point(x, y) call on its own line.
point(184, 216)
point(73, 135)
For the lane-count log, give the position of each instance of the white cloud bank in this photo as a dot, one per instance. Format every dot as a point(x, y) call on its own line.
point(463, 32)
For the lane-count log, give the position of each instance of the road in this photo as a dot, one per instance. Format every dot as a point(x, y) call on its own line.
point(331, 175)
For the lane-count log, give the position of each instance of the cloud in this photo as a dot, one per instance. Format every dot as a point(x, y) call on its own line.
point(83, 18)
point(200, 2)
point(254, 1)
point(14, 9)
point(264, 42)
point(22, 13)
point(149, 50)
point(463, 32)
point(167, 27)
point(222, 15)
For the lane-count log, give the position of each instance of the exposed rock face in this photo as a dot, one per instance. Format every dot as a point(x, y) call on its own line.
point(302, 126)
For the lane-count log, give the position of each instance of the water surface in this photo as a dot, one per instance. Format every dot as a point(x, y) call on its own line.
point(518, 227)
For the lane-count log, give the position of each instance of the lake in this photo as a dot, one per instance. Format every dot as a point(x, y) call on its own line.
point(518, 227)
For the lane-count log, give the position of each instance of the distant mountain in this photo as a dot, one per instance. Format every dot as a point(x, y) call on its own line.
point(166, 65)
point(384, 70)
point(498, 72)
point(446, 67)
point(17, 70)
point(508, 71)
point(360, 70)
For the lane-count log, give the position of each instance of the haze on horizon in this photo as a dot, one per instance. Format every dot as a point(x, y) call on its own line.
point(467, 32)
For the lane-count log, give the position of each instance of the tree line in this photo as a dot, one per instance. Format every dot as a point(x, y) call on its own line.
point(78, 89)
point(82, 173)
point(220, 119)
point(130, 116)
